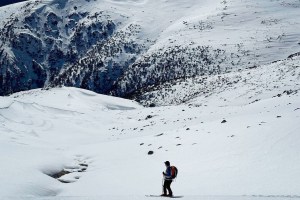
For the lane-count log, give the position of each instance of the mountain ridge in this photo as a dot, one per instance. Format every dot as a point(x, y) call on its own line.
point(122, 48)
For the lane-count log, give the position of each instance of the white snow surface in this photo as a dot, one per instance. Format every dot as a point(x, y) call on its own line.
point(104, 141)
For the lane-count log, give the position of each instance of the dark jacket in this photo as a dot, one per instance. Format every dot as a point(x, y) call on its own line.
point(168, 174)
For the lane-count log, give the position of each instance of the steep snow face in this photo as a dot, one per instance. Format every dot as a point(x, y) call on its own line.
point(126, 47)
point(74, 143)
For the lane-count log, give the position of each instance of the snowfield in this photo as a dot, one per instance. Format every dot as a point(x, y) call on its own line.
point(216, 85)
point(68, 143)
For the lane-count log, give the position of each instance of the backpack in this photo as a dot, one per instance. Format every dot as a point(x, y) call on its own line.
point(174, 172)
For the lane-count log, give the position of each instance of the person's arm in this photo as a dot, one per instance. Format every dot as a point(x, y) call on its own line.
point(168, 173)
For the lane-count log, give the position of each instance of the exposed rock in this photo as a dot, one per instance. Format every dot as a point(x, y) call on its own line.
point(148, 117)
point(59, 174)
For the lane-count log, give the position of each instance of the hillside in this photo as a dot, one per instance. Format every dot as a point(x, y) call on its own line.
point(124, 48)
point(69, 143)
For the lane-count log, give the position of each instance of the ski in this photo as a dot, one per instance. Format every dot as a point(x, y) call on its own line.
point(163, 196)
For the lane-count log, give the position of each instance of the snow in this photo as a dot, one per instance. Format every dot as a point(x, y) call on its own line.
point(9, 10)
point(104, 141)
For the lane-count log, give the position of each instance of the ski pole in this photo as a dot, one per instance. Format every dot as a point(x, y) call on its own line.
point(162, 184)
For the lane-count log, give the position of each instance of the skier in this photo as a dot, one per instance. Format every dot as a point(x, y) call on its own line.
point(167, 180)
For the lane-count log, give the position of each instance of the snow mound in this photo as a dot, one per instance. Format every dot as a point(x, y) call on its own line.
point(71, 99)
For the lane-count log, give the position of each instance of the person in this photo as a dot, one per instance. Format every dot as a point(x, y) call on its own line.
point(167, 180)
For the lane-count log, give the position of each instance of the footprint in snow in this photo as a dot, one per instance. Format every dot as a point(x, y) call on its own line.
point(73, 172)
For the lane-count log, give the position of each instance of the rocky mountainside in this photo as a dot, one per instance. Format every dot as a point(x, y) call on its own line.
point(130, 48)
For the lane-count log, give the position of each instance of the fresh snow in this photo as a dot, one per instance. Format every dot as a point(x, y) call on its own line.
point(105, 141)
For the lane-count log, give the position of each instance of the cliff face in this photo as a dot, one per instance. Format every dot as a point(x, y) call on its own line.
point(43, 40)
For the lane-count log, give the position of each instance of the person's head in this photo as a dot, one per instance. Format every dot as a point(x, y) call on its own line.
point(167, 163)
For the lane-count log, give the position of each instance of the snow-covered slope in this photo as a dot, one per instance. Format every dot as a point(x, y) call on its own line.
point(249, 85)
point(126, 47)
point(223, 144)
